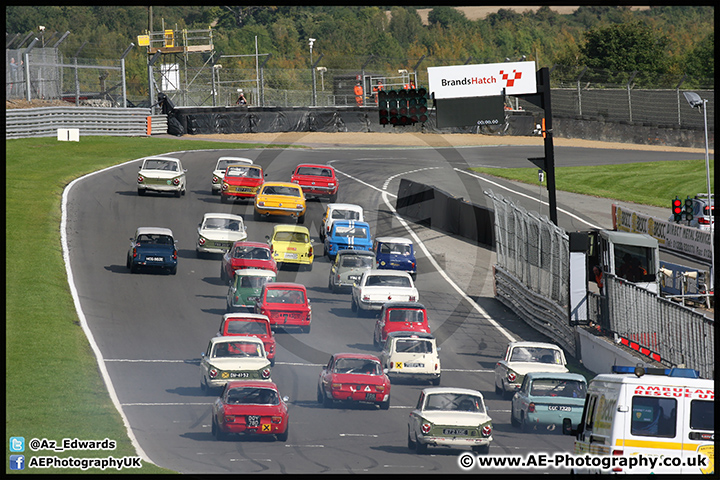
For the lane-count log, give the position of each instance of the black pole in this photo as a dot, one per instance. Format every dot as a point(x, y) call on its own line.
point(544, 74)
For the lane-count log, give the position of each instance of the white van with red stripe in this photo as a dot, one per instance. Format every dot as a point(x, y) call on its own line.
point(648, 421)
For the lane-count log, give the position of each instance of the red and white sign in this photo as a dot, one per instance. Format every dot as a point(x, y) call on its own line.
point(484, 80)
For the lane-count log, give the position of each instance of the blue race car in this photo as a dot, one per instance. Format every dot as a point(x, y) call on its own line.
point(152, 247)
point(545, 398)
point(395, 253)
point(347, 234)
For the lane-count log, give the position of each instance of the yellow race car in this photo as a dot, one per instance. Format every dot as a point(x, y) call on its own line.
point(291, 244)
point(280, 198)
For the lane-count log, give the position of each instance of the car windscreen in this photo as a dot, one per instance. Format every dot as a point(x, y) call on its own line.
point(387, 281)
point(317, 171)
point(296, 297)
point(536, 354)
point(281, 190)
point(239, 327)
point(251, 253)
point(154, 239)
point(351, 232)
point(248, 172)
point(221, 224)
point(237, 349)
point(252, 396)
point(345, 214)
point(413, 345)
point(253, 281)
point(552, 387)
point(395, 249)
point(458, 402)
point(299, 237)
point(356, 261)
point(223, 164)
point(160, 165)
point(406, 315)
point(357, 365)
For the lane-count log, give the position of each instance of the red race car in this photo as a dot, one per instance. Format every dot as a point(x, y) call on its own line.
point(246, 255)
point(250, 407)
point(241, 182)
point(252, 325)
point(285, 304)
point(316, 181)
point(400, 316)
point(354, 377)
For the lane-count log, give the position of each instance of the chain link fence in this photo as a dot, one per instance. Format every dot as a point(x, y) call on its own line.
point(208, 79)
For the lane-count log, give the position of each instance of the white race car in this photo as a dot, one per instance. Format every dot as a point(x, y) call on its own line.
point(219, 171)
point(161, 174)
point(339, 211)
point(376, 287)
point(233, 358)
point(525, 357)
point(450, 417)
point(411, 355)
point(218, 232)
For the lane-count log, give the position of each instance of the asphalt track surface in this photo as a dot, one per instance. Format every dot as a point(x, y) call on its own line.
point(151, 328)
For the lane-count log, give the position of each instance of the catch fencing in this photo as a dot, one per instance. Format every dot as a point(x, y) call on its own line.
point(532, 278)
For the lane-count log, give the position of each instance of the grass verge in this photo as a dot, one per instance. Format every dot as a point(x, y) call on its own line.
point(651, 183)
point(53, 386)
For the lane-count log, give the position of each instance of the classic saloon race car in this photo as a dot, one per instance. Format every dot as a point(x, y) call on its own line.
point(348, 267)
point(525, 357)
point(152, 247)
point(286, 304)
point(412, 356)
point(450, 417)
point(347, 235)
point(395, 253)
point(545, 399)
point(339, 211)
point(217, 232)
point(353, 377)
point(376, 287)
point(241, 182)
point(400, 317)
point(291, 244)
point(161, 174)
point(249, 324)
point(219, 171)
point(316, 181)
point(250, 408)
point(233, 358)
point(245, 287)
point(246, 255)
point(281, 199)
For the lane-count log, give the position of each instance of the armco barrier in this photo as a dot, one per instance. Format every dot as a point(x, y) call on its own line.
point(45, 121)
point(437, 209)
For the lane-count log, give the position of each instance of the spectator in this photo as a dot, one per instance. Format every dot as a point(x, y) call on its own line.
point(241, 99)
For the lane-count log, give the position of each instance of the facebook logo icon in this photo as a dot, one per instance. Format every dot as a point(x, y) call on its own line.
point(17, 462)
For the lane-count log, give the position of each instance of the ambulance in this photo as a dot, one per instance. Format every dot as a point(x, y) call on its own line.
point(644, 420)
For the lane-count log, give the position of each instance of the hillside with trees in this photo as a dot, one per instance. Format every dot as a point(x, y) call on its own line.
point(658, 41)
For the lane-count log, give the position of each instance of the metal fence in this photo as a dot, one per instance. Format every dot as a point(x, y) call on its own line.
point(203, 79)
point(532, 278)
point(44, 122)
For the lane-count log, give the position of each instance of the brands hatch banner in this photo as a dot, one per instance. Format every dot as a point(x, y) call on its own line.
point(484, 80)
point(670, 235)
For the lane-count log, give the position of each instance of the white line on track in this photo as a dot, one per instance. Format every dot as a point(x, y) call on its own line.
point(418, 242)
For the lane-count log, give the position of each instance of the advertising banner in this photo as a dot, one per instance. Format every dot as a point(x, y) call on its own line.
point(670, 235)
point(483, 80)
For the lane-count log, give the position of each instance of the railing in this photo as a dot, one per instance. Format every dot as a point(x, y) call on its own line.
point(44, 122)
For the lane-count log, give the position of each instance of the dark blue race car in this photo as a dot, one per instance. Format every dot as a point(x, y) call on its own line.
point(152, 247)
point(347, 234)
point(395, 253)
